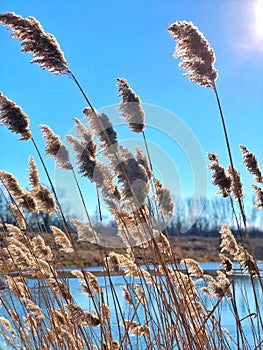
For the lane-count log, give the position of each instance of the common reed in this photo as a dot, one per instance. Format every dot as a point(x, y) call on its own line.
point(160, 304)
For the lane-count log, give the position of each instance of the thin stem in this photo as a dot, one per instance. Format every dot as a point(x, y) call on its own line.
point(93, 110)
point(232, 166)
point(147, 150)
point(99, 206)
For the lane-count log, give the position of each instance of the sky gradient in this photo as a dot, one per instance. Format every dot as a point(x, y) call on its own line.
point(106, 40)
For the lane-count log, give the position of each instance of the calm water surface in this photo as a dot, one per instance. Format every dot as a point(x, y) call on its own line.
point(243, 292)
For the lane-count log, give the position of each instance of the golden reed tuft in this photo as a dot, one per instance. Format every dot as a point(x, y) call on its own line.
point(14, 118)
point(195, 52)
point(45, 49)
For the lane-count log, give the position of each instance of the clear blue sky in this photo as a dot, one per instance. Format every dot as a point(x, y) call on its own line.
point(104, 40)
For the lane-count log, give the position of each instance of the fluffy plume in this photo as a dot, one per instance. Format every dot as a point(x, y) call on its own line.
point(195, 52)
point(135, 328)
point(11, 183)
point(219, 178)
point(130, 106)
point(133, 176)
point(34, 310)
point(45, 200)
point(94, 169)
point(85, 232)
point(236, 184)
point(251, 162)
point(102, 127)
point(14, 118)
point(19, 216)
point(82, 130)
point(228, 241)
point(41, 194)
point(91, 285)
point(80, 317)
point(7, 325)
point(164, 198)
point(24, 198)
point(62, 239)
point(34, 178)
point(194, 268)
point(104, 178)
point(55, 148)
point(259, 196)
point(220, 285)
point(86, 156)
point(127, 295)
point(41, 249)
point(143, 160)
point(227, 264)
point(44, 47)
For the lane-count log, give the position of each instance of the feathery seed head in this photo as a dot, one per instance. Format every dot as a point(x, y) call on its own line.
point(143, 160)
point(130, 106)
point(85, 154)
point(219, 177)
point(14, 118)
point(62, 239)
point(85, 232)
point(164, 197)
point(34, 179)
point(44, 47)
point(11, 183)
point(228, 241)
point(236, 184)
point(195, 52)
point(18, 216)
point(55, 148)
point(41, 194)
point(102, 127)
point(259, 196)
point(251, 162)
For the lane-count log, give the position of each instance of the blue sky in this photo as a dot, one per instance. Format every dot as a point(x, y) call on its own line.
point(104, 40)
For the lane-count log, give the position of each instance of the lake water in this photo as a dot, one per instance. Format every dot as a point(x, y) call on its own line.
point(242, 284)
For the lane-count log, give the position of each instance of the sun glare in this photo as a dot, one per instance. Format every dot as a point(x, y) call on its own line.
point(259, 17)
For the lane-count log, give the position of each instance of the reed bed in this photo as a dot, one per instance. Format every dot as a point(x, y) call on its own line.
point(166, 309)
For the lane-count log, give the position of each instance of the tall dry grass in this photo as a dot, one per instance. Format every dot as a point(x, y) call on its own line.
point(166, 309)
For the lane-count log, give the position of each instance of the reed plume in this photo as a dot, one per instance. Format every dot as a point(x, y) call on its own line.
point(102, 127)
point(85, 156)
point(130, 106)
point(251, 162)
point(44, 47)
point(143, 160)
point(236, 184)
point(62, 239)
point(55, 148)
point(14, 118)
point(18, 216)
point(132, 176)
point(195, 52)
point(259, 196)
point(194, 268)
point(219, 178)
point(41, 194)
point(164, 198)
point(85, 232)
point(24, 198)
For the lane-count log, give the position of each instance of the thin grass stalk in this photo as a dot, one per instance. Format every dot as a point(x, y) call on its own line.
point(232, 165)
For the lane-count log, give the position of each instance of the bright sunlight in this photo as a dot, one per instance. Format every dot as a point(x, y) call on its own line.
point(259, 17)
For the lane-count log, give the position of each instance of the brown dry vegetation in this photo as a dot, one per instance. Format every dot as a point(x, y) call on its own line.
point(202, 249)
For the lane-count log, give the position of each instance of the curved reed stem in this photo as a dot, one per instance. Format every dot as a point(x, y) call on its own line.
point(243, 215)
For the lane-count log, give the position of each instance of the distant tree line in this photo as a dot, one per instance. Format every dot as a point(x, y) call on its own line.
point(216, 210)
